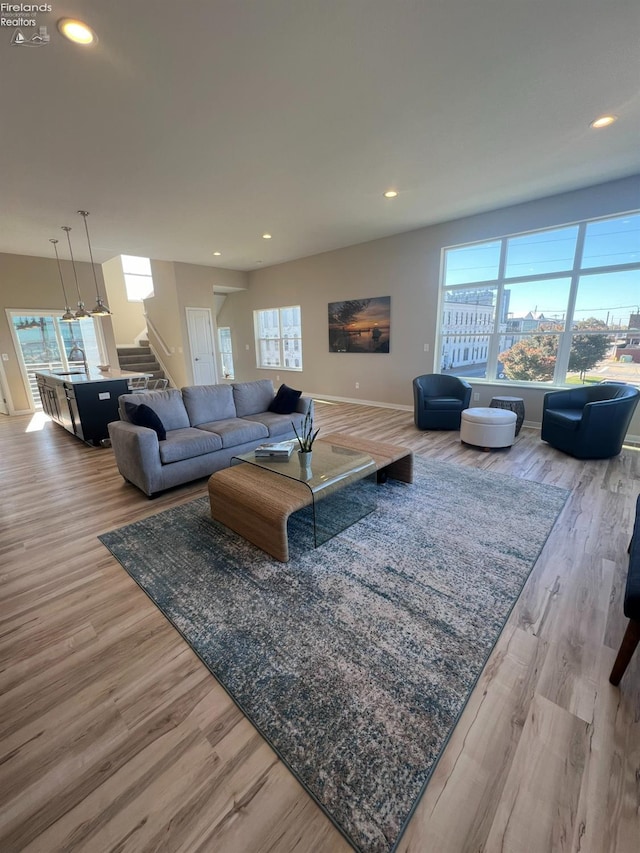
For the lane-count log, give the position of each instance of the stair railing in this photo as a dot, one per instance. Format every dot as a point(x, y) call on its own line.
point(158, 336)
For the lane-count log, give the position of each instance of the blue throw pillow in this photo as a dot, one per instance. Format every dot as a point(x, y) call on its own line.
point(285, 401)
point(144, 416)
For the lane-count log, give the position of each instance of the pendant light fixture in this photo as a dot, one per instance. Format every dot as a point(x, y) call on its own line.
point(81, 313)
point(101, 309)
point(67, 317)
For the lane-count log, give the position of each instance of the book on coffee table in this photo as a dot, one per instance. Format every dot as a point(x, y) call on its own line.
point(277, 450)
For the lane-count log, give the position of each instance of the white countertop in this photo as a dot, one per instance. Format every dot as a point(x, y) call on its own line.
point(77, 376)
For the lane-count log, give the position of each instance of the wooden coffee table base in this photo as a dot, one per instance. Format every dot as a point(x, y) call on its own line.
point(256, 503)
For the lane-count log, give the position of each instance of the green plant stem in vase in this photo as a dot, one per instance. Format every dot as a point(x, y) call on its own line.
point(305, 437)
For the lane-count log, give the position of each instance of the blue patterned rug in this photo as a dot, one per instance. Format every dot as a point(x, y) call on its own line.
point(356, 659)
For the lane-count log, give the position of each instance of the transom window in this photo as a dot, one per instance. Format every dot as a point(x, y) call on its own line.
point(137, 277)
point(559, 306)
point(278, 334)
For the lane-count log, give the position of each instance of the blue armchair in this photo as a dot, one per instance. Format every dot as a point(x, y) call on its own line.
point(589, 422)
point(438, 401)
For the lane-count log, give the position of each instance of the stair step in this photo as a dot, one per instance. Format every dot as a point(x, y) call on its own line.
point(142, 367)
point(130, 351)
point(136, 359)
point(140, 359)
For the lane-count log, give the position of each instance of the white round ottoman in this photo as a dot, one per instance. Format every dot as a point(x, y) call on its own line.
point(488, 428)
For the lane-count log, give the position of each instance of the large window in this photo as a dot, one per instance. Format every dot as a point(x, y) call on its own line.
point(279, 337)
point(559, 306)
point(46, 343)
point(226, 351)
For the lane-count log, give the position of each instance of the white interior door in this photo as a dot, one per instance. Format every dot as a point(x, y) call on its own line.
point(202, 346)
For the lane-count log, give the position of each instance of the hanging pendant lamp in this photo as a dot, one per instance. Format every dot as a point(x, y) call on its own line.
point(81, 313)
point(101, 309)
point(68, 316)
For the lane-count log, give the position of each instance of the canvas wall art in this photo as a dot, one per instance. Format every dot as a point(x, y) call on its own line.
point(360, 325)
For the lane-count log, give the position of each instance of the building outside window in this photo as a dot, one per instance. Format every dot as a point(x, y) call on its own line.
point(558, 306)
point(137, 277)
point(278, 334)
point(226, 351)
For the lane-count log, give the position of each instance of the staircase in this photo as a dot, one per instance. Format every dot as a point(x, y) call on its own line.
point(140, 359)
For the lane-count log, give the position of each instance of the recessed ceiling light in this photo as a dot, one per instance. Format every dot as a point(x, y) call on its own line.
point(217, 253)
point(603, 121)
point(76, 31)
point(266, 236)
point(391, 194)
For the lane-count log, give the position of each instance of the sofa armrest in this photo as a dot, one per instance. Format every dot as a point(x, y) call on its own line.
point(137, 455)
point(304, 405)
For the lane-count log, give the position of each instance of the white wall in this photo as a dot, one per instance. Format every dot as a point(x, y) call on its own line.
point(128, 317)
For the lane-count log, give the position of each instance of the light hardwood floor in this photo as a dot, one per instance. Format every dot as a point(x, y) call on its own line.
point(114, 736)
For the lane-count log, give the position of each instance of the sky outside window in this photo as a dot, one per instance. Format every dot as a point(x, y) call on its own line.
point(610, 297)
point(612, 241)
point(467, 264)
point(543, 252)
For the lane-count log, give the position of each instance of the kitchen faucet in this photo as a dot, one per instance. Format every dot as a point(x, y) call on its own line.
point(74, 351)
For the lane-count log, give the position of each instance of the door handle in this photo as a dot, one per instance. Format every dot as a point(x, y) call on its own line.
point(196, 359)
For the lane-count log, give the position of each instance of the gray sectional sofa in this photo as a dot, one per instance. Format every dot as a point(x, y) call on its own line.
point(205, 426)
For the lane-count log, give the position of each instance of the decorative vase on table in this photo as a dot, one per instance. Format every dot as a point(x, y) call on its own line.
point(304, 457)
point(305, 437)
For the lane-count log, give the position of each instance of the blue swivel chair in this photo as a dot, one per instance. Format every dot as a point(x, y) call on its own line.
point(589, 422)
point(438, 401)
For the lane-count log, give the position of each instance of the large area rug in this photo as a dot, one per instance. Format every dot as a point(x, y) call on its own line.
point(356, 659)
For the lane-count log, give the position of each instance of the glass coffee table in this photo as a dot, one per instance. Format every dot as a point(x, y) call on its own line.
point(332, 499)
point(256, 497)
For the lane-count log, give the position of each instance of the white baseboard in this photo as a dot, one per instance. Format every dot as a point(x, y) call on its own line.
point(23, 412)
point(330, 398)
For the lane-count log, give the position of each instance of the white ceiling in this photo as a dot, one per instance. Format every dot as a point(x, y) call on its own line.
point(198, 125)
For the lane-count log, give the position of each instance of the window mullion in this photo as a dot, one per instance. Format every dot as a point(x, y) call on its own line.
point(494, 340)
point(280, 339)
point(564, 344)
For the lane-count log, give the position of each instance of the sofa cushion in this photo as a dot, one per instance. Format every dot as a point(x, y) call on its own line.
point(236, 431)
point(567, 418)
point(167, 405)
point(206, 403)
point(278, 424)
point(142, 415)
point(445, 404)
point(186, 443)
point(285, 401)
point(252, 397)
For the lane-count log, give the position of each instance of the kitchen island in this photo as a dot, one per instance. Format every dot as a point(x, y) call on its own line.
point(84, 402)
